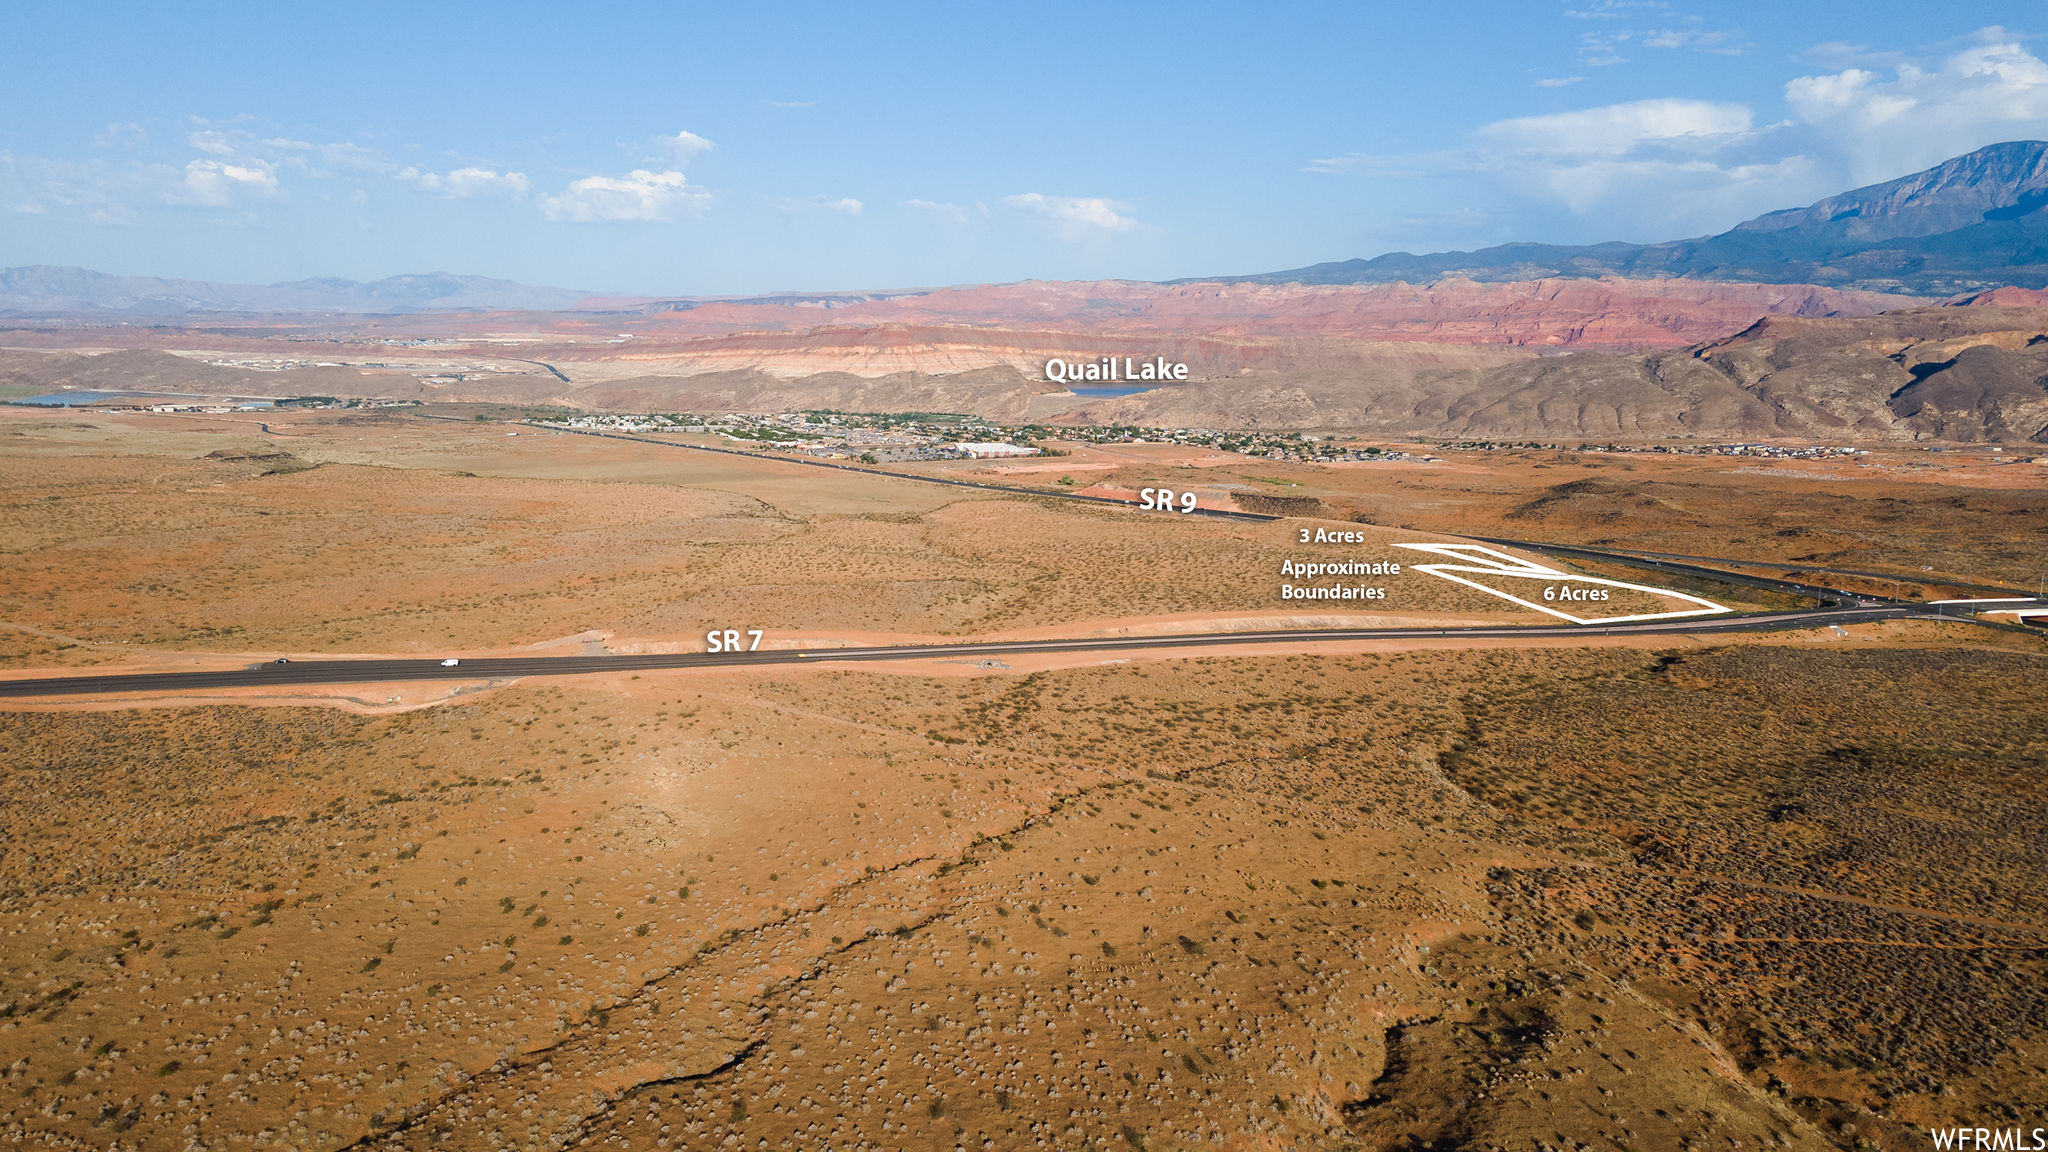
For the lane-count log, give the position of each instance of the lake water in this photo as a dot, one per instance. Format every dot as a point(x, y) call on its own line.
point(75, 399)
point(88, 399)
point(1112, 390)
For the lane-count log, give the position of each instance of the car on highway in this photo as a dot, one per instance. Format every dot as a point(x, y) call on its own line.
point(282, 660)
point(450, 662)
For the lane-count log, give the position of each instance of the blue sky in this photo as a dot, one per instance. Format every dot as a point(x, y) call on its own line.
point(698, 149)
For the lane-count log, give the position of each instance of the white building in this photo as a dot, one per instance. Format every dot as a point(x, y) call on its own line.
point(990, 451)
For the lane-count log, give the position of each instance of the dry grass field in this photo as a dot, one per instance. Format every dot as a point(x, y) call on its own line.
point(1921, 515)
point(1517, 899)
point(1784, 892)
point(127, 535)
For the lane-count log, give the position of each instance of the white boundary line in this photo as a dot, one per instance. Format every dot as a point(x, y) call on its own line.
point(1989, 600)
point(1485, 561)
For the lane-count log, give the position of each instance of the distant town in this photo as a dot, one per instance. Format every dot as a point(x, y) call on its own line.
point(885, 438)
point(1772, 451)
point(908, 437)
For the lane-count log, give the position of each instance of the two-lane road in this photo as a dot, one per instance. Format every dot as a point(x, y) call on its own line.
point(307, 672)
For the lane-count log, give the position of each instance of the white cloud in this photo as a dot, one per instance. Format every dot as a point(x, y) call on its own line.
point(1625, 27)
point(1655, 198)
point(1074, 215)
point(1888, 125)
point(281, 154)
point(1329, 165)
point(1468, 224)
point(1603, 49)
point(1654, 169)
point(1826, 96)
point(843, 205)
point(942, 209)
point(234, 166)
point(124, 134)
point(1613, 9)
point(93, 190)
point(354, 160)
point(1648, 168)
point(342, 159)
point(463, 183)
point(638, 195)
point(684, 147)
point(213, 141)
point(1619, 129)
point(1720, 42)
point(1559, 81)
point(478, 181)
point(215, 183)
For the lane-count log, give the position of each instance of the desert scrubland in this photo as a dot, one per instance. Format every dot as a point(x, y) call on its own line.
point(340, 533)
point(1752, 895)
point(1916, 516)
point(1376, 869)
point(1684, 892)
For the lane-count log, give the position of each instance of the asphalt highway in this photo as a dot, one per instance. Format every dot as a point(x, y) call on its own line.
point(303, 672)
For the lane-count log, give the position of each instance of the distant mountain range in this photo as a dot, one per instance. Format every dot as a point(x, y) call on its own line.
point(46, 289)
point(1975, 222)
point(1970, 224)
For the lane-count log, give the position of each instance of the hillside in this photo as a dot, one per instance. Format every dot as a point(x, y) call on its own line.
point(1958, 373)
point(1564, 312)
